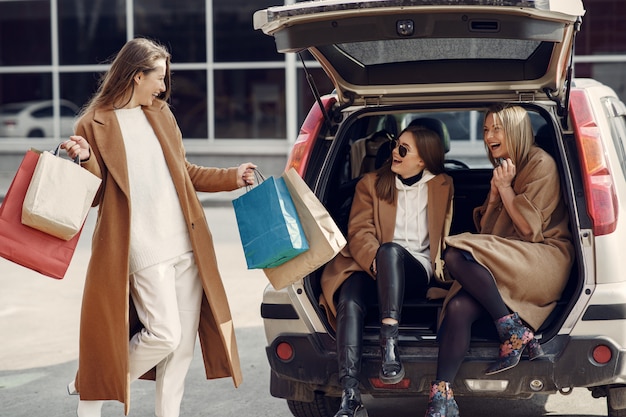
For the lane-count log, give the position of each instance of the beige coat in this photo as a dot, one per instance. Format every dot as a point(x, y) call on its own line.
point(530, 271)
point(108, 318)
point(372, 223)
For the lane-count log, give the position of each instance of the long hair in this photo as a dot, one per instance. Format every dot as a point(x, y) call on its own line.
point(116, 86)
point(430, 148)
point(518, 131)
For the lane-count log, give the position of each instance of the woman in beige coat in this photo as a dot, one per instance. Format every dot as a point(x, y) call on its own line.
point(152, 283)
point(398, 220)
point(518, 265)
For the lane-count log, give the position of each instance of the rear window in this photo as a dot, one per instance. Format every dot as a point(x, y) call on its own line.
point(409, 50)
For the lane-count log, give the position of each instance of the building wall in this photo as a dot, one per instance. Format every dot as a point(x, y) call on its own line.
point(234, 96)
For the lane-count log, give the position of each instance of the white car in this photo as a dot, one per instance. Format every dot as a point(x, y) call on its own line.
point(392, 61)
point(34, 119)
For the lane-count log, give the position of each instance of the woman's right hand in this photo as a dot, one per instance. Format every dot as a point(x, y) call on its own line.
point(77, 146)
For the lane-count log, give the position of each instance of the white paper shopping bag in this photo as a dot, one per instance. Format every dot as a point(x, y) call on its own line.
point(59, 196)
point(324, 237)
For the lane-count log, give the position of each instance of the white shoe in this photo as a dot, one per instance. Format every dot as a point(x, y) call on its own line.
point(71, 388)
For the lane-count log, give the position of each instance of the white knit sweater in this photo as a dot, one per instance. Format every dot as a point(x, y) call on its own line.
point(411, 230)
point(157, 229)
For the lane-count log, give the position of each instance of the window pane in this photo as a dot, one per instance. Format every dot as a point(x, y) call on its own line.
point(90, 32)
point(178, 24)
point(189, 103)
point(602, 31)
point(235, 39)
point(25, 33)
point(408, 50)
point(79, 87)
point(250, 104)
point(13, 87)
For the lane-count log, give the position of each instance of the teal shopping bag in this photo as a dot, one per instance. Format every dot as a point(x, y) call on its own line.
point(269, 227)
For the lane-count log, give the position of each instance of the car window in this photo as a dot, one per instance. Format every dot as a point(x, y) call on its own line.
point(408, 50)
point(67, 111)
point(43, 112)
point(616, 112)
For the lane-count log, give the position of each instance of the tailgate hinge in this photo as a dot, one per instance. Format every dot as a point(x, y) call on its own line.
point(372, 101)
point(526, 97)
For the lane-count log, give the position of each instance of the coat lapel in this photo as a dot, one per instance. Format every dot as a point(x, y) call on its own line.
point(108, 137)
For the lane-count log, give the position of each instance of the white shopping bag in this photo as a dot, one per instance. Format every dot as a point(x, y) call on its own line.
point(324, 237)
point(59, 196)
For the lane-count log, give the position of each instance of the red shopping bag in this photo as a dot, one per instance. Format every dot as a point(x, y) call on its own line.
point(24, 245)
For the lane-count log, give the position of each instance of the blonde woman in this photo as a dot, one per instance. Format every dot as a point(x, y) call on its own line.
point(515, 269)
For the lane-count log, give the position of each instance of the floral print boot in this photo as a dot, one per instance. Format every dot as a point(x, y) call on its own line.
point(515, 337)
point(441, 401)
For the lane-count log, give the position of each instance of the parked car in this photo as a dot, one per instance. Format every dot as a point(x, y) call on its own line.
point(395, 60)
point(34, 119)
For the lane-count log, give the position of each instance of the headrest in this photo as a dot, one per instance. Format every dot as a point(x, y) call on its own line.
point(436, 126)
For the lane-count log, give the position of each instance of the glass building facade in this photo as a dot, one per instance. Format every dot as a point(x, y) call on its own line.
point(231, 89)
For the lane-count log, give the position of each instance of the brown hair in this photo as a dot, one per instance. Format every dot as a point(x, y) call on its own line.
point(518, 131)
point(430, 148)
point(116, 86)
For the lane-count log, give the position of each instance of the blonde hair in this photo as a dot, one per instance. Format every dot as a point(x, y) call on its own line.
point(518, 131)
point(116, 86)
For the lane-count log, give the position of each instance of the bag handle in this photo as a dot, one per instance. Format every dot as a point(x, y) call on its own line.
point(258, 176)
point(56, 151)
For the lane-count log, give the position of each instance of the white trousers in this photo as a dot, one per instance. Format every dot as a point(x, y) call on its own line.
point(167, 298)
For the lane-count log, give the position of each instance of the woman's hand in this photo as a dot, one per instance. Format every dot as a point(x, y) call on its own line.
point(245, 174)
point(502, 178)
point(77, 146)
point(503, 174)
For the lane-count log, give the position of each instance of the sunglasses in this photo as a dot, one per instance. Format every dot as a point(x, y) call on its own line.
point(402, 150)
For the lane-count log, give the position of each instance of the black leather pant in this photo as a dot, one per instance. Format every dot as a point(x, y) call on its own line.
point(359, 291)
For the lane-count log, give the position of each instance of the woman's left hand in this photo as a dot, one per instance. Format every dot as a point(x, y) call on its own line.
point(503, 175)
point(245, 174)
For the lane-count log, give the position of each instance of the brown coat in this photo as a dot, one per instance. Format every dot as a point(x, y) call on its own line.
point(108, 318)
point(372, 223)
point(530, 271)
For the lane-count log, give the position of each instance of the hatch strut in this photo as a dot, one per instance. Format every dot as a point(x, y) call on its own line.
point(563, 108)
point(315, 91)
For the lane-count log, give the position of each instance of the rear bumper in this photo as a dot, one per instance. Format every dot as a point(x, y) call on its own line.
point(568, 363)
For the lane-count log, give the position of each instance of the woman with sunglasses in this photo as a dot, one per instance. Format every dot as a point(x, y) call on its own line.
point(399, 217)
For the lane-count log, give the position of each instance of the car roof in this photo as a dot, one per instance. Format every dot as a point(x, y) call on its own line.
point(397, 51)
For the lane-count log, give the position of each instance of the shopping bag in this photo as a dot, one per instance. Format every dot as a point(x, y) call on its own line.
point(59, 196)
point(24, 245)
point(324, 237)
point(268, 223)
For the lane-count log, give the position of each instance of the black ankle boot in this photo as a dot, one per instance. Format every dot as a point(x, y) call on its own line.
point(351, 405)
point(391, 369)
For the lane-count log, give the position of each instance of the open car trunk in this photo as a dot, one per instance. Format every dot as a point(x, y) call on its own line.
point(471, 183)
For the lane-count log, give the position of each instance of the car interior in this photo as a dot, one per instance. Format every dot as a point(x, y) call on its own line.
point(363, 146)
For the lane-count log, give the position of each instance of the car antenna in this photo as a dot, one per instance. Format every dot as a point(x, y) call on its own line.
point(316, 93)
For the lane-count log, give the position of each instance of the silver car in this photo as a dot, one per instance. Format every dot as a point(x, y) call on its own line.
point(35, 119)
point(392, 61)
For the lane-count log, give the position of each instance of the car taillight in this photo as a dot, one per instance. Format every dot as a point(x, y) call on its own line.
point(597, 179)
point(299, 156)
point(10, 123)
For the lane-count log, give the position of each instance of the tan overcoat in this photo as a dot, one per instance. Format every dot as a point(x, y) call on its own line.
point(108, 318)
point(372, 223)
point(530, 270)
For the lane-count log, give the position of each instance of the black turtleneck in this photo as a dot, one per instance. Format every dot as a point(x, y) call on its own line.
point(411, 180)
